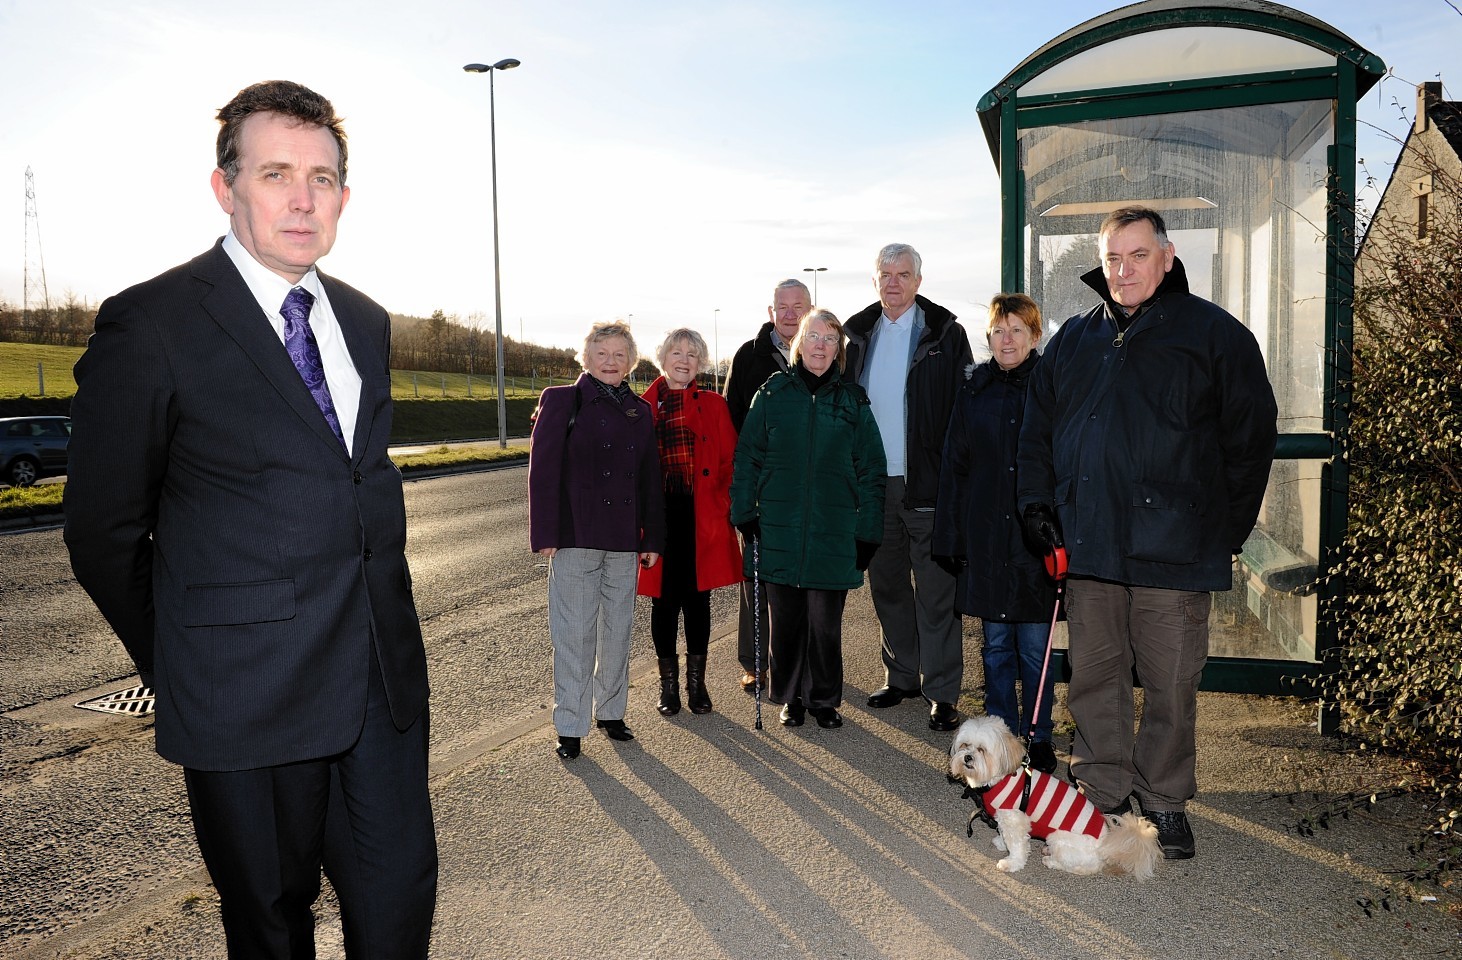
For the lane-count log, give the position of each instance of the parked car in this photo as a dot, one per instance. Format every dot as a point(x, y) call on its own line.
point(32, 448)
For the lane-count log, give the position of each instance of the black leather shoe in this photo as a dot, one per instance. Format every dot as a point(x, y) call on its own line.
point(1043, 756)
point(944, 716)
point(890, 697)
point(1173, 833)
point(1121, 809)
point(614, 729)
point(793, 715)
point(568, 747)
point(826, 717)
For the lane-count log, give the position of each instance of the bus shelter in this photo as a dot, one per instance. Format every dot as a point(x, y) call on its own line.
point(1236, 120)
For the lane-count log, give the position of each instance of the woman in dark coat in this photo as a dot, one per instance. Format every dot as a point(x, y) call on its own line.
point(1000, 580)
point(696, 442)
point(808, 494)
point(596, 511)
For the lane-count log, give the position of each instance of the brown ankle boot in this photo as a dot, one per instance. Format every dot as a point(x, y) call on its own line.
point(695, 684)
point(669, 704)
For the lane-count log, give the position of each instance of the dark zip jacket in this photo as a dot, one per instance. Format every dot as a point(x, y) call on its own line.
point(976, 516)
point(1153, 447)
point(757, 359)
point(809, 469)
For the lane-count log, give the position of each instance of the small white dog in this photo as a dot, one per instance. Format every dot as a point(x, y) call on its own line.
point(1024, 802)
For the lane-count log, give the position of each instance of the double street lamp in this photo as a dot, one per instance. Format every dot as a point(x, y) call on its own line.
point(814, 271)
point(497, 282)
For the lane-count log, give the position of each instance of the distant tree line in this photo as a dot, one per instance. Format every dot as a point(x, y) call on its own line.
point(66, 325)
point(439, 342)
point(447, 343)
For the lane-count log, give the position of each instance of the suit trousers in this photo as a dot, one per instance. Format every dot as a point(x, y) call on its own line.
point(1163, 634)
point(364, 815)
point(807, 645)
point(913, 596)
point(591, 608)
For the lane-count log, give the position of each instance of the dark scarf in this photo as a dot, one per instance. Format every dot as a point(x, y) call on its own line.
point(619, 394)
point(813, 381)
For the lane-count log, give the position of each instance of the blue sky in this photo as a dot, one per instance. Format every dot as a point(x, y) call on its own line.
point(660, 161)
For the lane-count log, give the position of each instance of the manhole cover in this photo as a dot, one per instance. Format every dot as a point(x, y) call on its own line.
point(134, 701)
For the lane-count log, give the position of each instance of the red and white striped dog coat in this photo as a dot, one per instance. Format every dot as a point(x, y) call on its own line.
point(1054, 804)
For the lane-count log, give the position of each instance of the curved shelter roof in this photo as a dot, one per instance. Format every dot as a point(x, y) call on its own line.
point(1205, 41)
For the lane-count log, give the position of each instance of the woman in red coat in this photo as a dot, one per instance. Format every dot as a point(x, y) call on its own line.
point(697, 444)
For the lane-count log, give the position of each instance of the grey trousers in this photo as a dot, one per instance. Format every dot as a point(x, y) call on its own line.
point(591, 607)
point(1164, 635)
point(922, 646)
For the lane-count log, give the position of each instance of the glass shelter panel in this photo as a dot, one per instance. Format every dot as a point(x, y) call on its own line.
point(1243, 192)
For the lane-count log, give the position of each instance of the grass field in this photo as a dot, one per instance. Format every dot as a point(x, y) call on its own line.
point(18, 369)
point(18, 377)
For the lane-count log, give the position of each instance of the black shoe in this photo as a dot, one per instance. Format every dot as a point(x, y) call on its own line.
point(1173, 833)
point(793, 715)
point(1043, 756)
point(568, 747)
point(1121, 809)
point(827, 717)
point(943, 716)
point(614, 729)
point(890, 696)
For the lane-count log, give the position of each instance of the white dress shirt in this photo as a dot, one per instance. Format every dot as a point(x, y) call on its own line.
point(270, 289)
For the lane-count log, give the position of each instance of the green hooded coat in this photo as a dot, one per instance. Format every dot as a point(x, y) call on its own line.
point(810, 470)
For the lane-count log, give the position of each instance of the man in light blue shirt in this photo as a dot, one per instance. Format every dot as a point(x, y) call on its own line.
point(910, 354)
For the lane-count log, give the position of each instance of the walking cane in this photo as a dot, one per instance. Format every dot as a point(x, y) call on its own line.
point(1056, 567)
point(756, 619)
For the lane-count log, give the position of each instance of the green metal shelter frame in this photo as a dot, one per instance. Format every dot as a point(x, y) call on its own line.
point(1068, 144)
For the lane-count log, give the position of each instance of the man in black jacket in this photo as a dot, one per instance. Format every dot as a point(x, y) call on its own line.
point(1148, 436)
point(910, 355)
point(756, 360)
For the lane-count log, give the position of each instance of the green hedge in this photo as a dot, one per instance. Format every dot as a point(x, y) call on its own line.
point(458, 419)
point(414, 420)
point(35, 406)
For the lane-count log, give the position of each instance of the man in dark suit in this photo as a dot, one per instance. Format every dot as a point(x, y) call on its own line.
point(231, 509)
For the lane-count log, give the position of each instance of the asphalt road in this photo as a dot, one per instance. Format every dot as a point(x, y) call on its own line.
point(94, 822)
point(702, 838)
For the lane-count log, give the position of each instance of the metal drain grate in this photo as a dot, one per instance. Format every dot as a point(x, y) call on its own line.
point(134, 702)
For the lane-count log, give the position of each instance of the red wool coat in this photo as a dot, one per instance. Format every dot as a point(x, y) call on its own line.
point(717, 551)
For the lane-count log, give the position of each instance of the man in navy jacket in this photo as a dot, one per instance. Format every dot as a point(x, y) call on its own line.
point(1148, 436)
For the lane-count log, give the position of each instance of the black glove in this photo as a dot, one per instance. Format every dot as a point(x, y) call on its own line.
point(1041, 529)
point(751, 529)
point(866, 551)
point(951, 565)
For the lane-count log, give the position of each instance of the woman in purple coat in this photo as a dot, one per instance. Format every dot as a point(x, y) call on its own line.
point(596, 511)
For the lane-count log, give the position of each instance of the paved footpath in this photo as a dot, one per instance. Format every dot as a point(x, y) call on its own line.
point(708, 838)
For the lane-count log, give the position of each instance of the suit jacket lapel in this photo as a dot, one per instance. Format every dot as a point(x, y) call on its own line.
point(233, 307)
point(367, 363)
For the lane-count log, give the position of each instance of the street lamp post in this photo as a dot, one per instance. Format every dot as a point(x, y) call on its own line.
point(814, 271)
point(497, 280)
point(716, 343)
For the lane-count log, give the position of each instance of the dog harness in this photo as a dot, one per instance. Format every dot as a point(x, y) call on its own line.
point(1050, 803)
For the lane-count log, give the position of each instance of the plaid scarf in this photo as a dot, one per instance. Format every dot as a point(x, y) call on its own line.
point(677, 442)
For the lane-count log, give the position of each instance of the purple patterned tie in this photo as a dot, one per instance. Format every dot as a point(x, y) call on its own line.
point(299, 340)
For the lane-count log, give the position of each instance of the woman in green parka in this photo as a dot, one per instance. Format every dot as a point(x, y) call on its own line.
point(807, 487)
